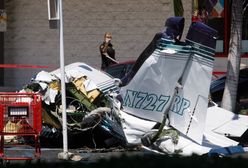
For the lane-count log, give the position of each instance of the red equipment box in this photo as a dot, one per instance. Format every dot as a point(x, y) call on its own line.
point(20, 116)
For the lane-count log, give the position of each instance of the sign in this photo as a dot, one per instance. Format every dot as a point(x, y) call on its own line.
point(53, 13)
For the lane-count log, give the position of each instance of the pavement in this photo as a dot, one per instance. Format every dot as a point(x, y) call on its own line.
point(89, 155)
point(84, 155)
point(120, 158)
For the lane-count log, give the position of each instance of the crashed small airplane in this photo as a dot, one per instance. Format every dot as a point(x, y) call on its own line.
point(162, 104)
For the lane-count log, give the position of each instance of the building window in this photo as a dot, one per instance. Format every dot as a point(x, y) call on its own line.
point(212, 13)
point(216, 14)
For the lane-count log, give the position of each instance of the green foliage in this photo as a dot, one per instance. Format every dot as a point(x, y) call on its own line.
point(178, 7)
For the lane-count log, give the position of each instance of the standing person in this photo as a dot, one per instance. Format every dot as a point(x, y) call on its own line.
point(107, 51)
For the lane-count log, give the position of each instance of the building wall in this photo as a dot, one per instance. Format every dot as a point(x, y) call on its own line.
point(29, 40)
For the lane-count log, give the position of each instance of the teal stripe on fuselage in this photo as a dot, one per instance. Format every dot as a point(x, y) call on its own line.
point(170, 44)
point(201, 47)
point(200, 51)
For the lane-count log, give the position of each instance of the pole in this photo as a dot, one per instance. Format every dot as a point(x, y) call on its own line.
point(63, 93)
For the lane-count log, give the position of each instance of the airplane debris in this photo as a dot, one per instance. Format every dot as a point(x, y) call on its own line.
point(163, 104)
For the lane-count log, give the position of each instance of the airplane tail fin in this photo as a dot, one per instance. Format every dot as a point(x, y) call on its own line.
point(189, 109)
point(151, 92)
point(155, 76)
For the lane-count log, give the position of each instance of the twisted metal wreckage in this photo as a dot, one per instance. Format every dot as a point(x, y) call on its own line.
point(162, 104)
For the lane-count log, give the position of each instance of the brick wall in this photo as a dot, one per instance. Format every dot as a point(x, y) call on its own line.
point(29, 40)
